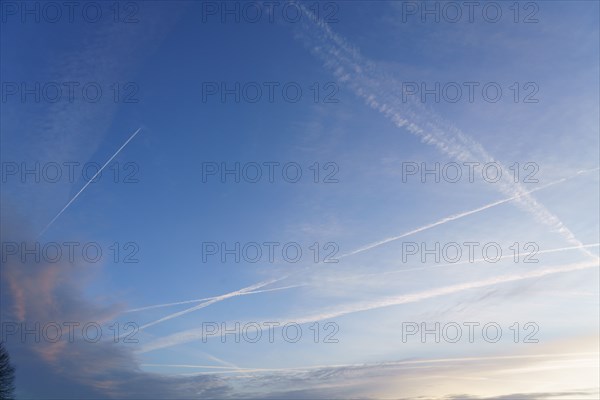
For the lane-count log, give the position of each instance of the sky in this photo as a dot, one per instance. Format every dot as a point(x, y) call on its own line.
point(333, 199)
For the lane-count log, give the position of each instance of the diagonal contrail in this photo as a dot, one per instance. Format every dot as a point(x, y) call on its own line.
point(441, 291)
point(477, 260)
point(209, 298)
point(384, 363)
point(212, 301)
point(88, 182)
point(455, 217)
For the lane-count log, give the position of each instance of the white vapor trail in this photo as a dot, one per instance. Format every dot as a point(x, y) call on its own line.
point(209, 298)
point(195, 334)
point(380, 92)
point(446, 290)
point(452, 218)
point(212, 301)
point(88, 182)
point(477, 260)
point(381, 364)
point(226, 364)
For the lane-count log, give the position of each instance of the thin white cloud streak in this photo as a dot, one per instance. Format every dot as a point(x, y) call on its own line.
point(88, 182)
point(381, 364)
point(223, 362)
point(382, 94)
point(196, 334)
point(210, 298)
point(191, 366)
point(451, 218)
point(210, 302)
point(446, 290)
point(477, 260)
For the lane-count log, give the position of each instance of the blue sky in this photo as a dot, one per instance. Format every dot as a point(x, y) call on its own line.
point(364, 130)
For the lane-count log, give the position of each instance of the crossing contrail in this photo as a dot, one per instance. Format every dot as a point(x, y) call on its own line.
point(380, 364)
point(209, 298)
point(195, 334)
point(383, 94)
point(212, 301)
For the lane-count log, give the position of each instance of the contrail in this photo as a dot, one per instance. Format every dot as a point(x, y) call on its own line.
point(446, 290)
point(557, 250)
point(212, 301)
point(88, 182)
point(209, 298)
point(196, 334)
point(223, 362)
point(461, 215)
point(192, 366)
point(381, 93)
point(382, 364)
